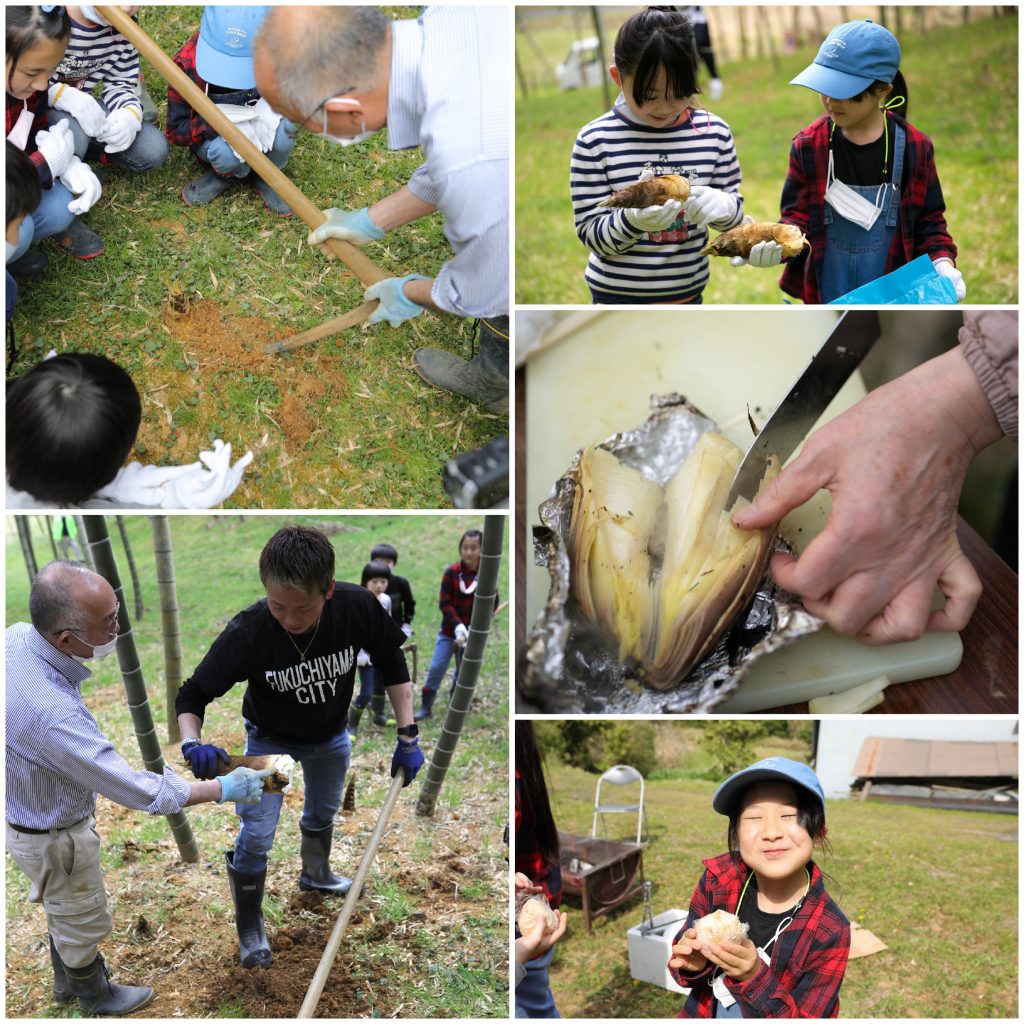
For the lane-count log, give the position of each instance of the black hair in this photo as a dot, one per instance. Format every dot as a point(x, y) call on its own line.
point(26, 25)
point(23, 189)
point(471, 533)
point(899, 88)
point(655, 38)
point(810, 815)
point(376, 570)
point(384, 551)
point(71, 422)
point(534, 792)
point(298, 557)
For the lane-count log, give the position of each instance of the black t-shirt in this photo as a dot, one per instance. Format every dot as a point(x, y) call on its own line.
point(863, 165)
point(762, 924)
point(403, 607)
point(291, 696)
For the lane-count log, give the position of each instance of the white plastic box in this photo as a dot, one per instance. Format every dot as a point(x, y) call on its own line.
point(649, 952)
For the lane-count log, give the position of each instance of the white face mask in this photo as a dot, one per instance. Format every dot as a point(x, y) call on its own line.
point(848, 204)
point(342, 140)
point(11, 250)
point(100, 651)
point(18, 135)
point(91, 14)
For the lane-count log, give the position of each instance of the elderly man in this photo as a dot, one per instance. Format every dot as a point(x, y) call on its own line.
point(58, 760)
point(440, 83)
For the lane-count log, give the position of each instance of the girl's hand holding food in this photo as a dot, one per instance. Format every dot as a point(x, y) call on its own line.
point(655, 218)
point(539, 940)
point(739, 960)
point(686, 955)
point(708, 205)
point(523, 883)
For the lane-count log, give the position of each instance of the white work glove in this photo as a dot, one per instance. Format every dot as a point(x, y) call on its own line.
point(407, 629)
point(120, 129)
point(57, 145)
point(269, 118)
point(708, 205)
point(762, 254)
point(944, 268)
point(461, 635)
point(83, 107)
point(255, 134)
point(655, 218)
point(362, 659)
point(79, 179)
point(355, 226)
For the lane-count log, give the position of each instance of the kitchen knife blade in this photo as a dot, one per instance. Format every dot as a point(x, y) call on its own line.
point(829, 369)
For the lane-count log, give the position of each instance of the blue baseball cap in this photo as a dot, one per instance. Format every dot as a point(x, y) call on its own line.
point(224, 47)
point(771, 769)
point(853, 56)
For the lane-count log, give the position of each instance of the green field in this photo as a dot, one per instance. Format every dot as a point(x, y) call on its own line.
point(972, 125)
point(938, 887)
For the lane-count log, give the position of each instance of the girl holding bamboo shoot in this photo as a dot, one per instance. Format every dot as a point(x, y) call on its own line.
point(862, 183)
point(652, 174)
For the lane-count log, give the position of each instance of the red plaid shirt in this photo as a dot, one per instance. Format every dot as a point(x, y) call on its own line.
point(456, 606)
point(37, 104)
point(528, 858)
point(808, 959)
point(922, 222)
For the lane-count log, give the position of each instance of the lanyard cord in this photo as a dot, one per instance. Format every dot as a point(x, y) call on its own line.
point(885, 132)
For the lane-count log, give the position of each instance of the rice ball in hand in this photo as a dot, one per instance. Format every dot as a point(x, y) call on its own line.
point(721, 926)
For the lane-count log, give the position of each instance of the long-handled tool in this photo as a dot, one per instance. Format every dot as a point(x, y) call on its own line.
point(358, 262)
point(316, 986)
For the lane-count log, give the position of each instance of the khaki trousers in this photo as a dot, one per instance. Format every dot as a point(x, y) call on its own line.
point(63, 866)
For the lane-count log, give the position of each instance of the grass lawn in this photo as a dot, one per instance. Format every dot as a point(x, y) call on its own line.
point(938, 887)
point(974, 133)
point(185, 299)
point(430, 936)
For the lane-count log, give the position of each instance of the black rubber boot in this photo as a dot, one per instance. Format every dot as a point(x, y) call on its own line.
point(355, 712)
point(379, 714)
point(315, 850)
point(31, 263)
point(98, 996)
point(423, 711)
point(482, 379)
point(61, 983)
point(207, 187)
point(271, 200)
point(247, 895)
point(79, 241)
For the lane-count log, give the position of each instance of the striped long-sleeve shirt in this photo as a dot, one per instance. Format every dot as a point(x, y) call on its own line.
point(101, 55)
point(57, 758)
point(448, 93)
point(610, 153)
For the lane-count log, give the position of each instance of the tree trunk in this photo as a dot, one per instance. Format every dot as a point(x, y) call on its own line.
point(599, 32)
point(741, 13)
point(132, 570)
point(168, 617)
point(768, 30)
point(25, 540)
point(479, 629)
point(135, 686)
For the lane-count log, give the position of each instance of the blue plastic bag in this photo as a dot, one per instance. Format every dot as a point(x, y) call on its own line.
point(917, 283)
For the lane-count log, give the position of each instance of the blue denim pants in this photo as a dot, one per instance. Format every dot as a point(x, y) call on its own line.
point(444, 647)
point(50, 217)
point(367, 675)
point(533, 993)
point(147, 152)
point(323, 776)
point(221, 157)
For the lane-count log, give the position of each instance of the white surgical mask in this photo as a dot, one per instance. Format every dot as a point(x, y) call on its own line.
point(848, 204)
point(91, 14)
point(18, 135)
point(342, 140)
point(99, 651)
point(11, 250)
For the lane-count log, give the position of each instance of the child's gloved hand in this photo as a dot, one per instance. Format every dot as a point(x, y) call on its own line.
point(120, 129)
point(762, 254)
point(407, 629)
point(85, 109)
point(212, 480)
point(57, 146)
point(655, 218)
point(461, 635)
point(686, 955)
point(362, 659)
point(394, 306)
point(945, 268)
point(355, 226)
point(708, 205)
point(79, 179)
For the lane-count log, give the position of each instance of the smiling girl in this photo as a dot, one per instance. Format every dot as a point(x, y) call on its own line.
point(793, 960)
point(652, 255)
point(862, 183)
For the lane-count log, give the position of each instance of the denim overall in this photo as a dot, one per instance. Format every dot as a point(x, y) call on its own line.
point(854, 256)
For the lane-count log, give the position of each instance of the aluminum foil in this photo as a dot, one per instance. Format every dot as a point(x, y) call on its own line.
point(571, 667)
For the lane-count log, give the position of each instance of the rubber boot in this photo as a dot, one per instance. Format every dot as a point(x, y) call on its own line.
point(423, 711)
point(207, 187)
point(271, 200)
point(98, 996)
point(482, 379)
point(79, 241)
point(31, 263)
point(379, 715)
point(315, 850)
point(247, 895)
point(61, 983)
point(355, 712)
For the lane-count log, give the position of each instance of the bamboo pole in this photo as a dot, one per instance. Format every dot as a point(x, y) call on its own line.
point(325, 330)
point(169, 621)
point(357, 261)
point(316, 986)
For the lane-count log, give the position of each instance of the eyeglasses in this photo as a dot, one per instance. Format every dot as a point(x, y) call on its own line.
point(321, 106)
point(109, 624)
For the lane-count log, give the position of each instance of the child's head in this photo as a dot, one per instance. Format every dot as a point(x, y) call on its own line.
point(385, 553)
point(856, 70)
point(36, 40)
point(376, 576)
point(776, 812)
point(297, 570)
point(656, 65)
point(469, 548)
point(23, 190)
point(71, 422)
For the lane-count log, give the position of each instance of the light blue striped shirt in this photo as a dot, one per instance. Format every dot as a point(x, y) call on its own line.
point(57, 758)
point(101, 54)
point(610, 153)
point(449, 94)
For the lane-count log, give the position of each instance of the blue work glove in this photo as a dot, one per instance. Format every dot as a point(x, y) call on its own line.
point(243, 785)
point(202, 758)
point(355, 226)
point(408, 756)
point(394, 306)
